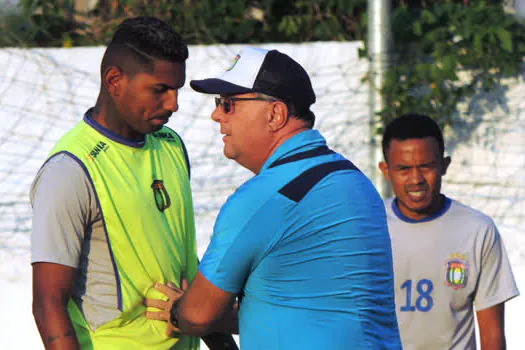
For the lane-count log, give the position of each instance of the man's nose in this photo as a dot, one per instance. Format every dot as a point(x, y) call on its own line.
point(217, 114)
point(416, 176)
point(171, 103)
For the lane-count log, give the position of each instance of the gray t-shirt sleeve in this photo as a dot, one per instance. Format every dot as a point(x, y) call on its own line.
point(64, 207)
point(496, 281)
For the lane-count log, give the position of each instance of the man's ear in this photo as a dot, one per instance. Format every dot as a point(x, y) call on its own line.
point(383, 166)
point(112, 79)
point(277, 116)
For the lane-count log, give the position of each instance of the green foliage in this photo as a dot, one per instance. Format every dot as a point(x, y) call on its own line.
point(49, 23)
point(59, 22)
point(14, 30)
point(446, 54)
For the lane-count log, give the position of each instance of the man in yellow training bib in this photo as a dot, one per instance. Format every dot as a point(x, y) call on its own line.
point(112, 205)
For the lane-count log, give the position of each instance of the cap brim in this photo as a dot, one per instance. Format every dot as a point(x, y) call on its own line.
point(218, 87)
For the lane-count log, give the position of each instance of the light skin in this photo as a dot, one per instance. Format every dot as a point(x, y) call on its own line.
point(203, 308)
point(252, 132)
point(415, 168)
point(130, 105)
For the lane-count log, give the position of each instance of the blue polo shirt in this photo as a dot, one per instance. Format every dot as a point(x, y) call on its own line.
point(306, 245)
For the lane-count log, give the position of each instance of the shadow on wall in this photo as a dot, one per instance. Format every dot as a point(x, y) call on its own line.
point(484, 107)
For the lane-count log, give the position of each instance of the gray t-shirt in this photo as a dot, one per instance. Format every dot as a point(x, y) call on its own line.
point(67, 226)
point(446, 267)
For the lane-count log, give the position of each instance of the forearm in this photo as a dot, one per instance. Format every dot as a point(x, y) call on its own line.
point(190, 322)
point(493, 342)
point(228, 324)
point(491, 324)
point(55, 328)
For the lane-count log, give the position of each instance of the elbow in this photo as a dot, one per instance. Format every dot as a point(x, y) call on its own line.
point(194, 324)
point(46, 310)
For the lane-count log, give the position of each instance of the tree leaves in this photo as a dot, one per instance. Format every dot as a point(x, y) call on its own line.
point(445, 54)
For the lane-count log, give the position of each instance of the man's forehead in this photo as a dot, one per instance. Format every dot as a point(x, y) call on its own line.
point(172, 74)
point(428, 141)
point(427, 146)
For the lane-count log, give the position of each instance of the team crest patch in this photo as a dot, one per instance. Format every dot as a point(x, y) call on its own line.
point(234, 62)
point(456, 271)
point(161, 196)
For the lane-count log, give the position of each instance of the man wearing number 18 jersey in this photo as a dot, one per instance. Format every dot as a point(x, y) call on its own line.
point(449, 259)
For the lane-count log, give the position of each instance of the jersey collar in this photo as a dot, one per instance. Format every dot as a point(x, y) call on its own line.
point(439, 213)
point(305, 140)
point(110, 134)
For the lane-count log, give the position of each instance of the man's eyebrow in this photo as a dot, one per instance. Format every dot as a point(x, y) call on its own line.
point(169, 87)
point(416, 166)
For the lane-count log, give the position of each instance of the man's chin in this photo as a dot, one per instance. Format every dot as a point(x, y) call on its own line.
point(228, 155)
point(415, 210)
point(422, 210)
point(154, 128)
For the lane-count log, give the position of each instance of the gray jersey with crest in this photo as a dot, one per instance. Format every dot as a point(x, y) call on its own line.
point(446, 267)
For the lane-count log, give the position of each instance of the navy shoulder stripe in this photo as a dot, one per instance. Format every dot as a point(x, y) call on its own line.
point(302, 184)
point(319, 151)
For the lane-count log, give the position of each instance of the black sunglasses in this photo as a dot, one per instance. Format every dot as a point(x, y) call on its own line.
point(227, 102)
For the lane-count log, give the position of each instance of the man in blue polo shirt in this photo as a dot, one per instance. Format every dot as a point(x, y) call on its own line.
point(304, 244)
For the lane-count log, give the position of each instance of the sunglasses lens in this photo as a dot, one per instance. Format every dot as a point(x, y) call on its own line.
point(226, 106)
point(224, 103)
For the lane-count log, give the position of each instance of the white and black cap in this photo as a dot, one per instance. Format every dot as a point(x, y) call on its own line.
point(269, 72)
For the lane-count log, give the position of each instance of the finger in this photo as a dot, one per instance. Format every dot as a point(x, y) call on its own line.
point(171, 329)
point(171, 285)
point(159, 304)
point(161, 316)
point(167, 290)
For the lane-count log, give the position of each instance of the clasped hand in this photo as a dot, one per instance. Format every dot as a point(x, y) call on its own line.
point(173, 293)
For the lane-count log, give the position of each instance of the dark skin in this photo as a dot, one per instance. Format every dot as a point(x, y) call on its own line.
point(491, 324)
point(52, 285)
point(131, 105)
point(415, 168)
point(139, 103)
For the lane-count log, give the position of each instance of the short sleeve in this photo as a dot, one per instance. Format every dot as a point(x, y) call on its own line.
point(496, 282)
point(64, 205)
point(226, 263)
point(241, 237)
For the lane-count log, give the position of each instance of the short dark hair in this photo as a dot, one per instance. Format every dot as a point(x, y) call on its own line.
point(143, 40)
point(412, 126)
point(306, 115)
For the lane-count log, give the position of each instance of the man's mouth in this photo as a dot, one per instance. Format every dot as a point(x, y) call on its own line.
point(417, 195)
point(163, 116)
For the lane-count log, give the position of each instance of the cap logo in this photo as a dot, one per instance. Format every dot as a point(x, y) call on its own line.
point(234, 62)
point(456, 274)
